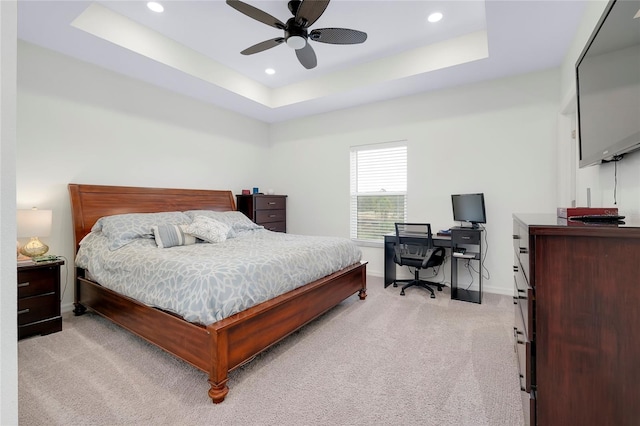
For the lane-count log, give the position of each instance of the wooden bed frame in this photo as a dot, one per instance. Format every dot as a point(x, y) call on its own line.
point(222, 346)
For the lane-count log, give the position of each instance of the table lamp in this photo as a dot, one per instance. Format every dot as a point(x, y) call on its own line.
point(32, 224)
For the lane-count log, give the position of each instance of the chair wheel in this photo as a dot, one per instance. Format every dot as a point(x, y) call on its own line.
point(402, 293)
point(395, 284)
point(439, 288)
point(433, 296)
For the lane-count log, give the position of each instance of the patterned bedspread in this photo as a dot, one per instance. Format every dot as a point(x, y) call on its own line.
point(205, 283)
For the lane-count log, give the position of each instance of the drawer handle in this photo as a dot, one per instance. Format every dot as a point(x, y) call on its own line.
point(273, 215)
point(521, 291)
point(522, 388)
point(515, 268)
point(517, 332)
point(516, 237)
point(523, 250)
point(272, 203)
point(24, 311)
point(23, 284)
point(465, 238)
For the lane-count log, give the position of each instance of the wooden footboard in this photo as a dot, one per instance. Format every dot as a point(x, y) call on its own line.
point(226, 344)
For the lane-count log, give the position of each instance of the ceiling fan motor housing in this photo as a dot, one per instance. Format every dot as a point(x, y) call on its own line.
point(292, 29)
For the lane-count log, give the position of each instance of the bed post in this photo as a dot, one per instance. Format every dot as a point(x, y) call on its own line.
point(218, 375)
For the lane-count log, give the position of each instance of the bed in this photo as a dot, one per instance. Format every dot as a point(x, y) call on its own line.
point(223, 345)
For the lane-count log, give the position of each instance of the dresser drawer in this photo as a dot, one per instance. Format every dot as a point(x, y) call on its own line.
point(529, 407)
point(275, 226)
point(270, 203)
point(37, 281)
point(525, 298)
point(266, 216)
point(524, 349)
point(38, 308)
point(521, 247)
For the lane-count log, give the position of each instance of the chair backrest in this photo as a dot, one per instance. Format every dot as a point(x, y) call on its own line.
point(420, 230)
point(409, 251)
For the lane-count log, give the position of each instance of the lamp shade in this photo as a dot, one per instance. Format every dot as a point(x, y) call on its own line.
point(34, 223)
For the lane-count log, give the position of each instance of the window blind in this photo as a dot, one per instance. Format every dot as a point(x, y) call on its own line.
point(378, 190)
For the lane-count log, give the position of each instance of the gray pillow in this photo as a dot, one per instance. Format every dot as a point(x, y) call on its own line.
point(122, 229)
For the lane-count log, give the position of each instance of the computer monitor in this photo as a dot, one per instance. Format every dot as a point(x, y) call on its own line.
point(469, 208)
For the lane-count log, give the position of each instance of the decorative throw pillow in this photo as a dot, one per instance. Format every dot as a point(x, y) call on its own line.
point(237, 221)
point(208, 229)
point(172, 235)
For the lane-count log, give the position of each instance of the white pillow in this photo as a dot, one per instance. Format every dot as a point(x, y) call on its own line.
point(172, 235)
point(237, 221)
point(208, 229)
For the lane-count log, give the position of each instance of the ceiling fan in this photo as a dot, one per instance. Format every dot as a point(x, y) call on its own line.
point(296, 34)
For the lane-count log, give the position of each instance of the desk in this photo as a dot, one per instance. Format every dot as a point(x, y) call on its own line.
point(461, 237)
point(389, 242)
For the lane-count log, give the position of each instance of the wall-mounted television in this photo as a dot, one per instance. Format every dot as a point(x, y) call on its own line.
point(469, 208)
point(608, 86)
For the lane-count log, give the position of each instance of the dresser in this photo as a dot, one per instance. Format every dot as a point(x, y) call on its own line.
point(269, 211)
point(577, 321)
point(39, 298)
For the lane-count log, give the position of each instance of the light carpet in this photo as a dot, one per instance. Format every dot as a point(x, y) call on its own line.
point(387, 360)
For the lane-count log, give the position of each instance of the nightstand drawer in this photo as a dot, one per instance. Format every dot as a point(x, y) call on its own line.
point(37, 281)
point(270, 203)
point(38, 308)
point(275, 226)
point(266, 216)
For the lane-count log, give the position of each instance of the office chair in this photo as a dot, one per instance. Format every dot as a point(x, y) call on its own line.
point(414, 248)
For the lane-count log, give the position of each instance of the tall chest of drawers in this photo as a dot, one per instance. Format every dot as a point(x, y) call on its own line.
point(39, 298)
point(577, 317)
point(269, 211)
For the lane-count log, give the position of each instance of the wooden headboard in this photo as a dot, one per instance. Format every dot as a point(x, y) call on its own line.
point(90, 202)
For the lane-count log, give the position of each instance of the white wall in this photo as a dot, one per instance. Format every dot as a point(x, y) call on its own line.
point(9, 293)
point(601, 179)
point(77, 123)
point(495, 137)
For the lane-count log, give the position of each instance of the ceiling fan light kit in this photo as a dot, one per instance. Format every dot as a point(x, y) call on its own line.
point(296, 34)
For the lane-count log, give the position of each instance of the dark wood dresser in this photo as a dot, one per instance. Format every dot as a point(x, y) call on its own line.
point(269, 211)
point(39, 298)
point(577, 321)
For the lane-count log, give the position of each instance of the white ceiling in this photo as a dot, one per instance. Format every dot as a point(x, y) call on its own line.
point(193, 48)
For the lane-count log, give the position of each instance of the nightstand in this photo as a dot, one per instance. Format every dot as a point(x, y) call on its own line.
point(269, 211)
point(39, 298)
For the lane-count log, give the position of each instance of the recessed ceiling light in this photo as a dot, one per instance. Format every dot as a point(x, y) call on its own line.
point(434, 17)
point(155, 6)
point(270, 71)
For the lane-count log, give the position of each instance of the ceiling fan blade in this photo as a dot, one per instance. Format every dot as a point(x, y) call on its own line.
point(264, 45)
point(338, 36)
point(309, 11)
point(255, 13)
point(307, 57)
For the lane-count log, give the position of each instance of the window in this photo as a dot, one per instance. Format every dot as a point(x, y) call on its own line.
point(378, 189)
